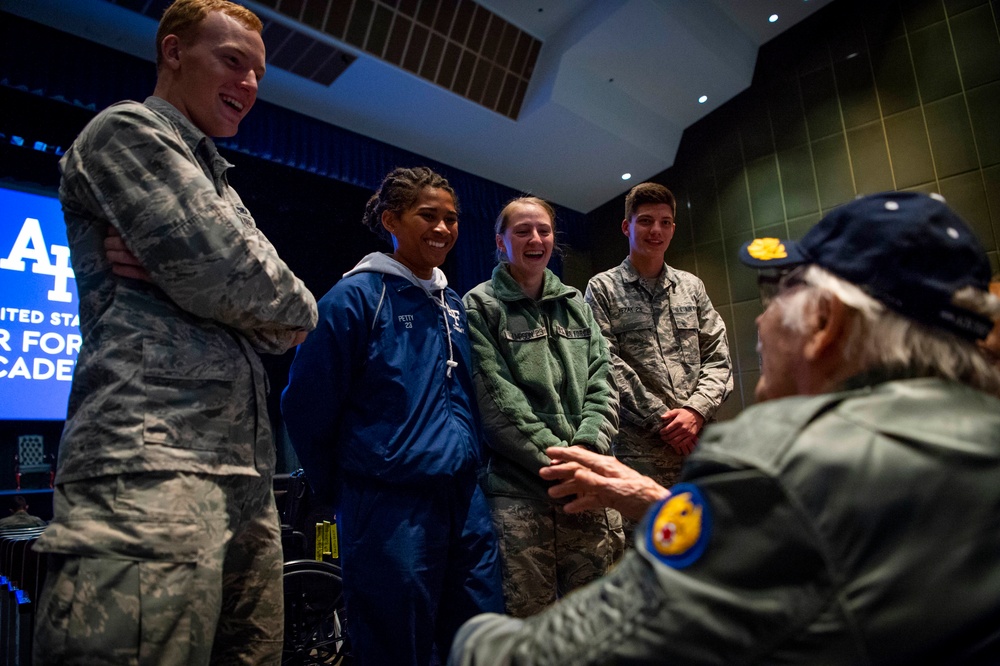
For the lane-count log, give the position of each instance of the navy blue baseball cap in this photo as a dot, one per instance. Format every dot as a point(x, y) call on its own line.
point(907, 249)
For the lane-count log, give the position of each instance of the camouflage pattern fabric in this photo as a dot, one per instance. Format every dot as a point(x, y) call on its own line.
point(668, 350)
point(169, 569)
point(165, 543)
point(546, 553)
point(168, 376)
point(662, 464)
point(647, 454)
point(21, 519)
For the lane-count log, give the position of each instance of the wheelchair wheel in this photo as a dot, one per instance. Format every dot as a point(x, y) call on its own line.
point(314, 615)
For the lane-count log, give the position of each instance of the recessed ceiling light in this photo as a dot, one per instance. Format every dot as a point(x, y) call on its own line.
point(772, 18)
point(626, 176)
point(703, 99)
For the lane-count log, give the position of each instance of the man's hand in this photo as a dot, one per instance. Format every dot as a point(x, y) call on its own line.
point(599, 481)
point(681, 428)
point(123, 262)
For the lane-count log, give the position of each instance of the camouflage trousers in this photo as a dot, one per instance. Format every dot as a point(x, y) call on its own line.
point(647, 454)
point(546, 553)
point(162, 569)
point(663, 466)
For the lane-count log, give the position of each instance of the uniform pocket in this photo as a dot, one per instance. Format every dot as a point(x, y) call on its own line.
point(686, 322)
point(636, 337)
point(189, 393)
point(123, 612)
point(640, 321)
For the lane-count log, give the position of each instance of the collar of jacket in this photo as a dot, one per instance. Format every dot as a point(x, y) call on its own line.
point(667, 275)
point(507, 288)
point(199, 142)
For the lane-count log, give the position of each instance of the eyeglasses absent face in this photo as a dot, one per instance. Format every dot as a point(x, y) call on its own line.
point(772, 283)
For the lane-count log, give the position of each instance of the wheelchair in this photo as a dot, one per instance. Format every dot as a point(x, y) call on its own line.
point(314, 615)
point(315, 623)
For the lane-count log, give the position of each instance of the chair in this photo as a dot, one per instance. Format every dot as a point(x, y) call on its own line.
point(293, 544)
point(315, 624)
point(300, 512)
point(32, 577)
point(19, 571)
point(32, 459)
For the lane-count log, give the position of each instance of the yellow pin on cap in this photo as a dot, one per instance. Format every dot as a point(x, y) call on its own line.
point(767, 249)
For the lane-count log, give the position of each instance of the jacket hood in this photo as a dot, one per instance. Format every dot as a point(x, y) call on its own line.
point(380, 262)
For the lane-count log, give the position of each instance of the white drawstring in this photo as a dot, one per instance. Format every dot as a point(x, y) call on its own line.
point(451, 363)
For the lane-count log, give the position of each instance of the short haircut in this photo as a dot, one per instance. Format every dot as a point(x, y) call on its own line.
point(648, 193)
point(183, 17)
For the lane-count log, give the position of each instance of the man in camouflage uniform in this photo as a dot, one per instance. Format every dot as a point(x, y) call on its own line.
point(668, 344)
point(19, 516)
point(165, 546)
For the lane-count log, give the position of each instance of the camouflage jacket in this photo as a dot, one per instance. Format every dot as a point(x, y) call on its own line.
point(20, 519)
point(168, 377)
point(668, 348)
point(542, 377)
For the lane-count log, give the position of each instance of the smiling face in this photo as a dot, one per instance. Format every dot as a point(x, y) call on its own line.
point(527, 241)
point(212, 77)
point(649, 231)
point(424, 233)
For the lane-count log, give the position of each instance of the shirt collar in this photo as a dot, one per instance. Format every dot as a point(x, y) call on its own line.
point(199, 142)
point(666, 278)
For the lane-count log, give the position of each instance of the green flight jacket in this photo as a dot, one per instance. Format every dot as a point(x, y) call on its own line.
point(858, 527)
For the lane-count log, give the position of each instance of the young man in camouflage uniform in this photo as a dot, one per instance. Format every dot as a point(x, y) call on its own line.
point(165, 546)
point(668, 344)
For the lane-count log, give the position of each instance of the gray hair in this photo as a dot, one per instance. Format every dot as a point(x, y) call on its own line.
point(879, 338)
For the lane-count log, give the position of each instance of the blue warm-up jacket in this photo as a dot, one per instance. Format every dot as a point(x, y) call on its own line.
point(382, 388)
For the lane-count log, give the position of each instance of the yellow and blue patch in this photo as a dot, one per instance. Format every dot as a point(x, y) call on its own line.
point(679, 530)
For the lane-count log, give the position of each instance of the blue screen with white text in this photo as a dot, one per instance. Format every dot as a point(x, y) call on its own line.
point(39, 325)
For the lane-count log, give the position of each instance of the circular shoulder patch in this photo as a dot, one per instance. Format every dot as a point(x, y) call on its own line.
point(679, 530)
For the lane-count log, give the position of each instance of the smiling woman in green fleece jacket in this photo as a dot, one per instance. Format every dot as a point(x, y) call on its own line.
point(543, 378)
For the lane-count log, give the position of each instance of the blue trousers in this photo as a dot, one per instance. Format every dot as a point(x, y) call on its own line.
point(417, 563)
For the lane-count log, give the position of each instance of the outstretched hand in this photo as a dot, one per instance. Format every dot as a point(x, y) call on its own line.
point(123, 262)
point(599, 481)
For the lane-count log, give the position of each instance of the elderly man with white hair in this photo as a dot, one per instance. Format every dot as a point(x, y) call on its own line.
point(852, 517)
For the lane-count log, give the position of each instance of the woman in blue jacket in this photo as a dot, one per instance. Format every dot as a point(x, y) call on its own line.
point(380, 410)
